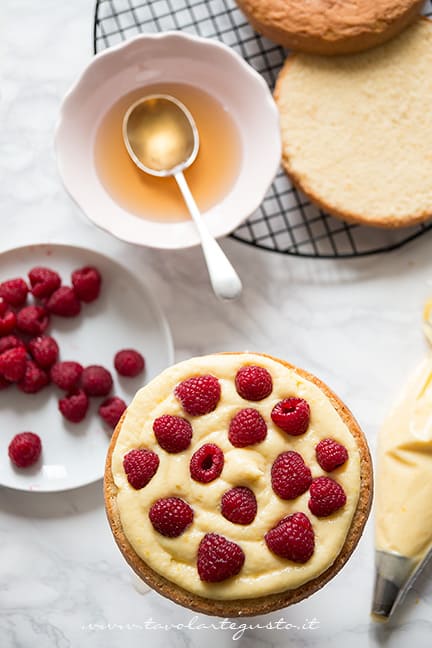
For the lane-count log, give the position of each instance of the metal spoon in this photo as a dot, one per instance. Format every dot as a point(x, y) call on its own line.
point(162, 139)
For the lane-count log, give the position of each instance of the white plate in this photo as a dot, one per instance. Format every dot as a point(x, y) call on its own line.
point(124, 316)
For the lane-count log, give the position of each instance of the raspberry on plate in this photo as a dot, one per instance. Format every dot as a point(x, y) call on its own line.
point(292, 415)
point(96, 381)
point(10, 342)
point(330, 454)
point(13, 363)
point(253, 383)
point(4, 384)
point(173, 433)
point(111, 410)
point(43, 281)
point(218, 558)
point(171, 516)
point(290, 477)
point(140, 466)
point(64, 302)
point(33, 320)
point(206, 463)
point(7, 322)
point(292, 538)
point(239, 505)
point(14, 291)
point(66, 375)
point(326, 496)
point(74, 406)
point(44, 350)
point(7, 318)
point(246, 428)
point(199, 395)
point(87, 283)
point(129, 362)
point(34, 378)
point(25, 449)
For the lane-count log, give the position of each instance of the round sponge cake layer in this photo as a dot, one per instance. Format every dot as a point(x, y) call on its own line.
point(357, 130)
point(330, 26)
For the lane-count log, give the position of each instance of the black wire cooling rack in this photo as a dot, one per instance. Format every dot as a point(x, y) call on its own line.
point(286, 222)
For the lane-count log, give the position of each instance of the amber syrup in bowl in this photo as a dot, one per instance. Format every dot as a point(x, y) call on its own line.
point(210, 177)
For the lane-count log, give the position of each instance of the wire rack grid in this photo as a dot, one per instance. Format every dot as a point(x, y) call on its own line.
point(286, 221)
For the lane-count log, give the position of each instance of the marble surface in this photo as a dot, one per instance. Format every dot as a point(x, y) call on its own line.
point(356, 324)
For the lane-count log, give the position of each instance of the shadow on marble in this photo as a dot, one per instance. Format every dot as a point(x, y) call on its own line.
point(52, 505)
point(182, 272)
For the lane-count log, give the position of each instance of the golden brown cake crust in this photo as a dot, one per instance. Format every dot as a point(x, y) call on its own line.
point(330, 27)
point(264, 604)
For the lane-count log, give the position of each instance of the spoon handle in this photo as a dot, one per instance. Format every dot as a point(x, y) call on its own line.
point(224, 279)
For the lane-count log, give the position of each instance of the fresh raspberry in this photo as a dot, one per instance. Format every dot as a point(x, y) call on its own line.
point(292, 538)
point(218, 558)
point(4, 384)
point(64, 302)
point(111, 410)
point(199, 395)
point(25, 449)
point(74, 406)
point(170, 516)
point(206, 463)
point(10, 342)
point(13, 363)
point(246, 428)
point(290, 477)
point(14, 291)
point(34, 378)
point(129, 362)
point(96, 381)
point(140, 465)
point(330, 454)
point(87, 283)
point(292, 415)
point(7, 318)
point(66, 375)
point(326, 496)
point(43, 281)
point(44, 350)
point(253, 383)
point(239, 505)
point(33, 320)
point(173, 433)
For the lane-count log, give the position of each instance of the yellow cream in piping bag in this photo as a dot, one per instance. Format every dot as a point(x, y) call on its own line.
point(403, 519)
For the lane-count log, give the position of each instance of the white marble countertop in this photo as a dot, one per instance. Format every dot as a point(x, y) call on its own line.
point(356, 324)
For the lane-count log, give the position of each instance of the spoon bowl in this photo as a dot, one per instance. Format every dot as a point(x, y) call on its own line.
point(160, 135)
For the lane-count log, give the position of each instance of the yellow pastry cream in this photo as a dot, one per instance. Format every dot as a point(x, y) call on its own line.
point(403, 518)
point(427, 320)
point(263, 572)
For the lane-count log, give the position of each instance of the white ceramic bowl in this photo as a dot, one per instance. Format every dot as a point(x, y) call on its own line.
point(168, 57)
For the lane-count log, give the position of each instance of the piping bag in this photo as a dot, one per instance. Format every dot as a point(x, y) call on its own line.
point(403, 515)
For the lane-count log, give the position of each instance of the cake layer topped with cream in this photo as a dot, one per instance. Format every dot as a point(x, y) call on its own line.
point(269, 471)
